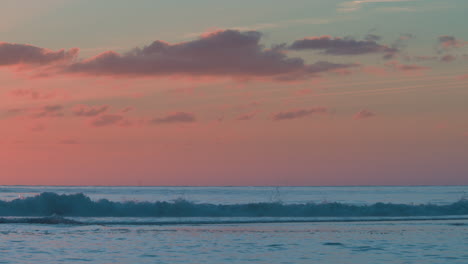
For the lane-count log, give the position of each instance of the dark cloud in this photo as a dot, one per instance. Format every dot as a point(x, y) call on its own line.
point(222, 53)
point(177, 117)
point(363, 114)
point(84, 110)
point(293, 114)
point(12, 54)
point(342, 46)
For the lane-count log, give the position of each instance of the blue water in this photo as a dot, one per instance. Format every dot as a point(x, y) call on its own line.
point(233, 224)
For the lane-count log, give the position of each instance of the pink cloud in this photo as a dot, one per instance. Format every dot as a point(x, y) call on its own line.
point(176, 117)
point(37, 128)
point(363, 114)
point(247, 116)
point(32, 94)
point(298, 113)
point(69, 142)
point(107, 120)
point(48, 111)
point(84, 110)
point(303, 91)
point(374, 70)
point(448, 42)
point(127, 109)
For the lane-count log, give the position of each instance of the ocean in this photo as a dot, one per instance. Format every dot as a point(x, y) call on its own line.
point(361, 224)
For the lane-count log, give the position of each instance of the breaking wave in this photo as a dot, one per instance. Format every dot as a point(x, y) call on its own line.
point(79, 205)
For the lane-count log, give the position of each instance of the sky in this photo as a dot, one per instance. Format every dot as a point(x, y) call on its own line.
point(221, 93)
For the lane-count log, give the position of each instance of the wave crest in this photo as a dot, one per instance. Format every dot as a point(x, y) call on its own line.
point(80, 205)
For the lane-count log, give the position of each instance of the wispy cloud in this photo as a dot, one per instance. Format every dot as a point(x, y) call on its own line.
point(363, 114)
point(351, 6)
point(247, 116)
point(298, 113)
point(343, 46)
point(177, 117)
point(278, 24)
point(107, 120)
point(84, 110)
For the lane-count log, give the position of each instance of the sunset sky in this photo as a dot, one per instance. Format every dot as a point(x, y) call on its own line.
point(300, 92)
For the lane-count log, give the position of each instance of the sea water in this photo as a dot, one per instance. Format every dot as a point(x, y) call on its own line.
point(47, 224)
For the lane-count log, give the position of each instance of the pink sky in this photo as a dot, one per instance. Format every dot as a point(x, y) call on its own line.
point(235, 106)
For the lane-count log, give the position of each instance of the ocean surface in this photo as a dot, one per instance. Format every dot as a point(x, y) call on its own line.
point(372, 224)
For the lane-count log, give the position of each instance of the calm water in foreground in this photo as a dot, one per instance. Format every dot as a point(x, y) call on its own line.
point(221, 240)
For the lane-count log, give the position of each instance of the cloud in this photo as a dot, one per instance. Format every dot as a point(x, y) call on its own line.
point(247, 116)
point(107, 120)
point(127, 109)
point(225, 53)
point(351, 6)
point(16, 54)
point(363, 114)
point(32, 94)
point(278, 24)
point(422, 58)
point(448, 58)
point(177, 117)
point(298, 113)
point(449, 42)
point(405, 67)
point(48, 111)
point(15, 111)
point(37, 128)
point(342, 46)
point(38, 112)
point(84, 110)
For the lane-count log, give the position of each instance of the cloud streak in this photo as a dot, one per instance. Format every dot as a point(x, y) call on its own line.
point(177, 117)
point(49, 111)
point(363, 114)
point(107, 120)
point(342, 46)
point(298, 113)
point(352, 6)
point(84, 110)
point(449, 42)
